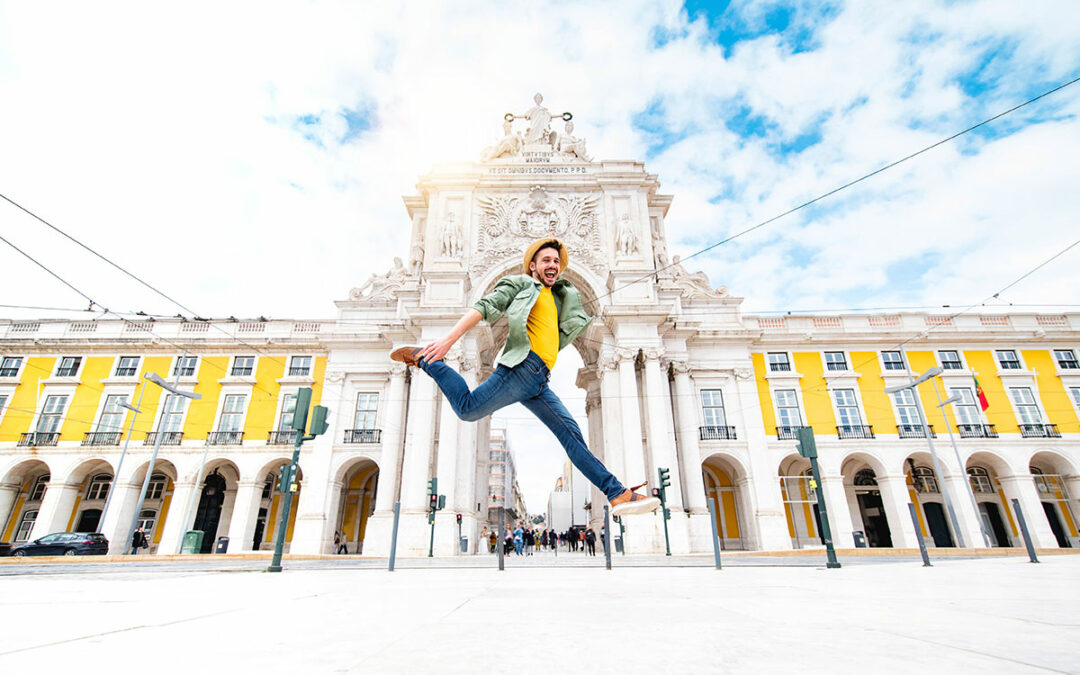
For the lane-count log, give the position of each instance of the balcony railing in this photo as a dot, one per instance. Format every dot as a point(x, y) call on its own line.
point(299, 371)
point(1039, 431)
point(225, 437)
point(855, 431)
point(282, 437)
point(167, 437)
point(39, 438)
point(101, 438)
point(787, 433)
point(914, 431)
point(977, 431)
point(362, 435)
point(717, 433)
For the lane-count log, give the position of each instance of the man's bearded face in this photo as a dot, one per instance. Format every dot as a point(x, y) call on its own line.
point(545, 266)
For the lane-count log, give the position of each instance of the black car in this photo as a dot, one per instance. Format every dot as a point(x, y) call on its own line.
point(64, 543)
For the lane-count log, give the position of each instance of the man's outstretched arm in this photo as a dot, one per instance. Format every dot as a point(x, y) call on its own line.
point(438, 349)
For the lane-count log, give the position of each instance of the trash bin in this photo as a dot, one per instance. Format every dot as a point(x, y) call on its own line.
point(463, 542)
point(192, 541)
point(618, 545)
point(222, 545)
point(860, 538)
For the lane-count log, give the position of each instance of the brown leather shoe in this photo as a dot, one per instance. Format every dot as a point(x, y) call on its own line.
point(407, 355)
point(630, 503)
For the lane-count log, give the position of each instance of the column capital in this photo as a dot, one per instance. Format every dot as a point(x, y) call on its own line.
point(679, 366)
point(743, 373)
point(625, 354)
point(335, 376)
point(653, 353)
point(398, 369)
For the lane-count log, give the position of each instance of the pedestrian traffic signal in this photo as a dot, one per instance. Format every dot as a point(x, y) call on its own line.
point(807, 447)
point(667, 513)
point(433, 504)
point(300, 411)
point(433, 486)
point(459, 519)
point(665, 480)
point(656, 492)
point(318, 421)
point(442, 502)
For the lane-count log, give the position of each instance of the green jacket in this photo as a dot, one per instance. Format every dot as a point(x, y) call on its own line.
point(515, 296)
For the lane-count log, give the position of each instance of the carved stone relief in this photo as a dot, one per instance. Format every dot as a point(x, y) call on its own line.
point(382, 286)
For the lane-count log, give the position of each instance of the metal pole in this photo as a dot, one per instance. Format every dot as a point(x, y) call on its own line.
point(393, 536)
point(119, 464)
point(713, 508)
point(607, 537)
point(500, 542)
point(191, 499)
point(967, 481)
point(918, 535)
point(1024, 531)
point(431, 543)
point(286, 507)
point(830, 551)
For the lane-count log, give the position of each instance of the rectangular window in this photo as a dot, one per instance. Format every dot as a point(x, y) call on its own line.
point(287, 410)
point(69, 366)
point(25, 525)
point(112, 415)
point(3, 404)
point(1066, 359)
point(1008, 360)
point(185, 366)
point(906, 413)
point(51, 414)
point(366, 406)
point(496, 456)
point(232, 413)
point(847, 409)
point(787, 408)
point(1025, 405)
point(967, 408)
point(778, 362)
point(242, 366)
point(1074, 392)
point(712, 408)
point(300, 366)
point(950, 360)
point(173, 413)
point(835, 361)
point(9, 367)
point(893, 360)
point(127, 366)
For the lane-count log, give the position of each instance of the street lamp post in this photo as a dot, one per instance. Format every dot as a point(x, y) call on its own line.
point(913, 385)
point(120, 462)
point(171, 388)
point(967, 481)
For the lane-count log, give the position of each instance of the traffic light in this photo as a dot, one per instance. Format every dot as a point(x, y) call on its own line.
point(656, 492)
point(442, 502)
point(300, 412)
point(318, 421)
point(432, 486)
point(433, 504)
point(667, 513)
point(806, 446)
point(459, 519)
point(287, 479)
point(665, 480)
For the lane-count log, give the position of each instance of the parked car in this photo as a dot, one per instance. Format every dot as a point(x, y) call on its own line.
point(5, 549)
point(64, 543)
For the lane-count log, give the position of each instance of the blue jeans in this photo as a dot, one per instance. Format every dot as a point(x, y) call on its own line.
point(527, 384)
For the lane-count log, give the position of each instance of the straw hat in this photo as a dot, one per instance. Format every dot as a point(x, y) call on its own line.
point(564, 255)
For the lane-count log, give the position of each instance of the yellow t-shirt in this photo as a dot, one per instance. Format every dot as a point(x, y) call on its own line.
point(543, 328)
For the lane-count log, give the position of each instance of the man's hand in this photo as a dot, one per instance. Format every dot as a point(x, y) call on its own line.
point(437, 350)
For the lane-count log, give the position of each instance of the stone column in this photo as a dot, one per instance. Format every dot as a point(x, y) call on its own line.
point(661, 437)
point(611, 417)
point(55, 510)
point(895, 499)
point(689, 451)
point(390, 453)
point(467, 451)
point(416, 469)
point(1021, 486)
point(244, 514)
point(446, 470)
point(633, 454)
point(121, 511)
point(176, 525)
point(768, 513)
point(839, 511)
point(965, 513)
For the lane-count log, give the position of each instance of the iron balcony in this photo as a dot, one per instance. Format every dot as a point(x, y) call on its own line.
point(282, 437)
point(39, 438)
point(362, 435)
point(225, 437)
point(717, 433)
point(977, 431)
point(855, 431)
point(101, 438)
point(914, 431)
point(167, 437)
point(1039, 431)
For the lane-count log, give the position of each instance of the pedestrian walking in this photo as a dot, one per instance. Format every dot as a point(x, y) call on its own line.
point(138, 540)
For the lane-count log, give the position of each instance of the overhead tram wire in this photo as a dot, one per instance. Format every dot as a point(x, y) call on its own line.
point(841, 188)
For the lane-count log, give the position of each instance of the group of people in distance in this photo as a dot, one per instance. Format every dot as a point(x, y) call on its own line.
point(524, 540)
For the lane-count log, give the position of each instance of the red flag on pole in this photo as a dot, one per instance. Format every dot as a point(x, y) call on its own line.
point(980, 393)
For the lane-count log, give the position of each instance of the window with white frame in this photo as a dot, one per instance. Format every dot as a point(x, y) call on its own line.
point(69, 366)
point(893, 360)
point(300, 366)
point(9, 367)
point(3, 404)
point(367, 404)
point(779, 362)
point(966, 408)
point(172, 415)
point(712, 408)
point(232, 413)
point(185, 366)
point(127, 366)
point(1073, 391)
point(25, 525)
point(112, 414)
point(847, 408)
point(242, 366)
point(37, 493)
point(1008, 360)
point(52, 414)
point(906, 412)
point(1066, 359)
point(835, 361)
point(923, 479)
point(950, 360)
point(156, 487)
point(1026, 407)
point(787, 408)
point(99, 486)
point(288, 409)
point(980, 480)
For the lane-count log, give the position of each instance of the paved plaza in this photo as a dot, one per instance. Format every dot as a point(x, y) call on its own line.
point(1000, 614)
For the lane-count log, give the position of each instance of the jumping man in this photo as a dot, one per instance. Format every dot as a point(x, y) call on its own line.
point(545, 314)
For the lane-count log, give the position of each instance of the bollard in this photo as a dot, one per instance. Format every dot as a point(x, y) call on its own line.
point(918, 535)
point(607, 538)
point(1024, 531)
point(500, 541)
point(713, 507)
point(393, 537)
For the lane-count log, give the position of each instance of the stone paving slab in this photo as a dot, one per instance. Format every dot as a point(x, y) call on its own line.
point(997, 615)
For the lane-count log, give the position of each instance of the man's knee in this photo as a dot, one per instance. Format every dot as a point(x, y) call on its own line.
point(471, 415)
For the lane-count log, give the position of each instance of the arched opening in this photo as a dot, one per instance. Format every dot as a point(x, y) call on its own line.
point(208, 512)
point(924, 490)
point(800, 502)
point(360, 481)
point(1048, 471)
point(984, 469)
point(95, 480)
point(28, 480)
point(865, 503)
point(158, 501)
point(724, 483)
point(272, 504)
